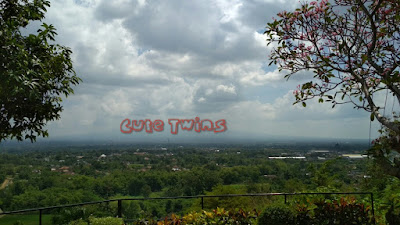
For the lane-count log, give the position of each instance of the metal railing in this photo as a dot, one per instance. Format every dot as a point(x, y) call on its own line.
point(202, 197)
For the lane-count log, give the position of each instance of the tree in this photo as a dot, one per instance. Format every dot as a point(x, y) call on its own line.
point(34, 71)
point(352, 47)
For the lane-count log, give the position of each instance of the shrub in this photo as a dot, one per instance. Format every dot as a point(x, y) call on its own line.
point(341, 212)
point(321, 212)
point(106, 221)
point(277, 215)
point(393, 214)
point(18, 222)
point(78, 222)
point(218, 216)
point(69, 214)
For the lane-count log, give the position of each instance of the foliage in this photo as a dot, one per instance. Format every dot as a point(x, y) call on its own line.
point(386, 151)
point(351, 46)
point(341, 212)
point(18, 223)
point(392, 216)
point(391, 203)
point(25, 219)
point(320, 212)
point(217, 216)
point(99, 221)
point(78, 222)
point(226, 203)
point(69, 214)
point(34, 71)
point(106, 221)
point(277, 215)
point(32, 183)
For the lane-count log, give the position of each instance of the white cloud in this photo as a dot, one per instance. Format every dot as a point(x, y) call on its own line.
point(162, 59)
point(227, 89)
point(259, 78)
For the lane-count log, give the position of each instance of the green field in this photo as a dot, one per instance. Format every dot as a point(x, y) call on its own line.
point(26, 219)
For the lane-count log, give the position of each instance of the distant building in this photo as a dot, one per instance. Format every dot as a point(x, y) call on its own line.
point(140, 153)
point(286, 157)
point(175, 168)
point(320, 151)
point(354, 156)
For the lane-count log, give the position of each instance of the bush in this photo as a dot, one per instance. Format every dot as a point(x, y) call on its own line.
point(218, 216)
point(277, 215)
point(78, 222)
point(18, 222)
point(69, 214)
point(393, 214)
point(106, 221)
point(342, 212)
point(99, 221)
point(322, 212)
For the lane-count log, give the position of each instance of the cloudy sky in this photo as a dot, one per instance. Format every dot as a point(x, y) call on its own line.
point(157, 59)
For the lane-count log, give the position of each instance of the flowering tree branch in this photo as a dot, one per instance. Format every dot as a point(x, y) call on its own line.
point(351, 46)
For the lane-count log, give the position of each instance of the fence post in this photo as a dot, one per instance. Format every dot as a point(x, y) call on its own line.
point(285, 198)
point(40, 217)
point(119, 208)
point(202, 202)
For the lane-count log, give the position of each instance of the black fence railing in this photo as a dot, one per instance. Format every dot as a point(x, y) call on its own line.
point(202, 197)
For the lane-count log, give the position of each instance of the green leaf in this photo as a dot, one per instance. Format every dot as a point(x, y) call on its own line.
point(372, 117)
point(304, 104)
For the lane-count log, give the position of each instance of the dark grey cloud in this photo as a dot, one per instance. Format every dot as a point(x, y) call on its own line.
point(195, 27)
point(109, 10)
point(214, 97)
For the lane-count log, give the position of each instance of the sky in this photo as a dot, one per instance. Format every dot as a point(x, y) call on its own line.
point(157, 59)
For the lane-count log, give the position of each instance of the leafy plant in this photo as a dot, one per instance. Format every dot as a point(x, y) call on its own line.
point(393, 214)
point(277, 215)
point(217, 216)
point(341, 212)
point(320, 212)
point(106, 221)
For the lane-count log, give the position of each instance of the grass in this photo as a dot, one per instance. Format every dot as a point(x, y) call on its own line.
point(26, 219)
